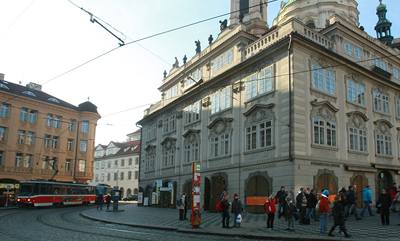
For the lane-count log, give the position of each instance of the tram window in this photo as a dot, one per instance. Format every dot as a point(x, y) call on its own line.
point(26, 189)
point(44, 188)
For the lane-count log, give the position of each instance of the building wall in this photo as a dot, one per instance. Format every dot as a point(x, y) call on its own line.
point(112, 165)
point(312, 165)
point(10, 147)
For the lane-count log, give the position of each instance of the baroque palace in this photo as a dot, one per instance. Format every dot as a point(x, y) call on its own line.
point(310, 101)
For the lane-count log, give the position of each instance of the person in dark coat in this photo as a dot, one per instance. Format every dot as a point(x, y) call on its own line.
point(108, 201)
point(236, 209)
point(338, 216)
point(383, 205)
point(289, 211)
point(281, 198)
point(301, 205)
point(351, 203)
point(225, 211)
point(311, 204)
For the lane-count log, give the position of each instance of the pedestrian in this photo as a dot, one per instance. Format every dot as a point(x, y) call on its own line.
point(311, 203)
point(236, 209)
point(367, 199)
point(108, 201)
point(270, 210)
point(281, 198)
point(301, 204)
point(181, 206)
point(225, 211)
point(99, 201)
point(351, 203)
point(338, 216)
point(185, 205)
point(383, 205)
point(323, 209)
point(289, 210)
point(397, 202)
point(393, 191)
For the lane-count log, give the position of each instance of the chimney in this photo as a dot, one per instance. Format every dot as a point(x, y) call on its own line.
point(2, 76)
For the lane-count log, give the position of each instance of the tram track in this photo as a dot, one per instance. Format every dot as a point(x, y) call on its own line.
point(78, 229)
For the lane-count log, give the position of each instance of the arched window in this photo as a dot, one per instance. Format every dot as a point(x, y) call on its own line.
point(357, 132)
point(323, 124)
point(310, 23)
point(383, 138)
point(191, 146)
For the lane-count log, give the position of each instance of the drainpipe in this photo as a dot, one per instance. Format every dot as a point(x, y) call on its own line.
point(290, 52)
point(76, 150)
point(140, 154)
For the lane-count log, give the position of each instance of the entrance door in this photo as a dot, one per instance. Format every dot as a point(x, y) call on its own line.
point(359, 182)
point(187, 189)
point(218, 185)
point(257, 188)
point(207, 194)
point(326, 180)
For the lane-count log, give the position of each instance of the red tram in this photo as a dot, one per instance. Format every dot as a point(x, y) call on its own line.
point(49, 193)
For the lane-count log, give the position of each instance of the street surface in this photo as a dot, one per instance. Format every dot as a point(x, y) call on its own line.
point(61, 224)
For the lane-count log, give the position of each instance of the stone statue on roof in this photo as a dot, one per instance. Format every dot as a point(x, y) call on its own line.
point(210, 39)
point(198, 46)
point(223, 24)
point(176, 64)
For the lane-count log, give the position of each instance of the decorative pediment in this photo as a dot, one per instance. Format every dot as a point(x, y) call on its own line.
point(168, 140)
point(357, 113)
point(326, 104)
point(257, 107)
point(382, 123)
point(190, 132)
point(149, 147)
point(220, 124)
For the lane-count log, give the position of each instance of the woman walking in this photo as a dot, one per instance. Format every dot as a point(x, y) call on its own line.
point(338, 216)
point(270, 209)
point(289, 210)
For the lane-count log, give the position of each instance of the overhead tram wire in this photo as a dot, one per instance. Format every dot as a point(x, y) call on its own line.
point(120, 32)
point(149, 37)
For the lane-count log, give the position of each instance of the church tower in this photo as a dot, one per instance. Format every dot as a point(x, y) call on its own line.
point(382, 28)
point(251, 13)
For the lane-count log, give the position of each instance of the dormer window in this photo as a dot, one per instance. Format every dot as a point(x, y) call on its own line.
point(3, 86)
point(30, 93)
point(53, 100)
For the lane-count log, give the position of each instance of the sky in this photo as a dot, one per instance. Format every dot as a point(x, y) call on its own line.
point(41, 39)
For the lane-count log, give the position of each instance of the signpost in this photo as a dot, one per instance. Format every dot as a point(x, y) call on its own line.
point(196, 218)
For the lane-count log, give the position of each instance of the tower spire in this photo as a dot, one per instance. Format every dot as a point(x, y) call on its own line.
point(382, 28)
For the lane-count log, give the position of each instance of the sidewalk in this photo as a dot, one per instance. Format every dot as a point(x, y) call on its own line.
point(253, 226)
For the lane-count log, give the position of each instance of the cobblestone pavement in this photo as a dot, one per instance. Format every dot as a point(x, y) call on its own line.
point(369, 228)
point(66, 224)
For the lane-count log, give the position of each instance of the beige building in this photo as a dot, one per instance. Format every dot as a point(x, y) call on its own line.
point(117, 165)
point(43, 137)
point(312, 101)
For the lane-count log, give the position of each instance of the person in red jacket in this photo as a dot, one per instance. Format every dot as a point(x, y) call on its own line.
point(323, 208)
point(270, 209)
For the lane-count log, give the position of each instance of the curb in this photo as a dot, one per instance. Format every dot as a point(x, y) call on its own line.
point(158, 227)
point(208, 232)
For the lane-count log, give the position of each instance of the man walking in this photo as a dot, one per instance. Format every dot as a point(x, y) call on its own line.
point(323, 208)
point(367, 199)
point(351, 203)
point(281, 198)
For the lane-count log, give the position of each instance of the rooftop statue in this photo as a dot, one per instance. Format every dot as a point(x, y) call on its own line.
point(198, 46)
point(176, 64)
point(223, 25)
point(210, 39)
point(184, 59)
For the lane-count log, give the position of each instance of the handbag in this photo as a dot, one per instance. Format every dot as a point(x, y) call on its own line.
point(239, 218)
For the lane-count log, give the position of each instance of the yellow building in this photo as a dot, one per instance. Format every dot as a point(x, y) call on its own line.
point(43, 137)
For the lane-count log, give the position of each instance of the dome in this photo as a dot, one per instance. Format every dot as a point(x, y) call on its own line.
point(316, 13)
point(87, 106)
